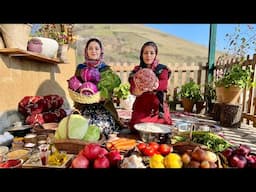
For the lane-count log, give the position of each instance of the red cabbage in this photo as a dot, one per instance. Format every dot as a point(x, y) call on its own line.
point(90, 74)
point(74, 83)
point(88, 88)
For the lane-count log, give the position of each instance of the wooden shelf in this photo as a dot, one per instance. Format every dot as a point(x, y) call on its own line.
point(15, 52)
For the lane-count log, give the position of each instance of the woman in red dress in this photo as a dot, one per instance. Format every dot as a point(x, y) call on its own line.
point(149, 82)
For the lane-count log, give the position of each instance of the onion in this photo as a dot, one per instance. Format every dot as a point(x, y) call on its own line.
point(90, 74)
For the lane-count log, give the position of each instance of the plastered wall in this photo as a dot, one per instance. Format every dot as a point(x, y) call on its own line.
point(21, 77)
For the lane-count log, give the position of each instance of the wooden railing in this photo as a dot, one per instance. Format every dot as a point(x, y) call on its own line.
point(248, 96)
point(181, 73)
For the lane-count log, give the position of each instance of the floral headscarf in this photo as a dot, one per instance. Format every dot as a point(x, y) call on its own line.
point(89, 62)
point(155, 62)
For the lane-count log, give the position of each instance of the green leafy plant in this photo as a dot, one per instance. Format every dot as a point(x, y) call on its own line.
point(191, 90)
point(237, 76)
point(210, 92)
point(122, 91)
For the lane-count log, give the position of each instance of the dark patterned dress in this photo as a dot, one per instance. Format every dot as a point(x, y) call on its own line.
point(102, 114)
point(99, 116)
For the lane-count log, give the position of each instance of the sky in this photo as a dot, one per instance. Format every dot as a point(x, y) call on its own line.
point(199, 33)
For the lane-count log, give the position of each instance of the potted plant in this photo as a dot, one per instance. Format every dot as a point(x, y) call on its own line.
point(231, 84)
point(123, 96)
point(55, 40)
point(210, 96)
point(190, 94)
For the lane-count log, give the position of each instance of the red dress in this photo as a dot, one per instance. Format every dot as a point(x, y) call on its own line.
point(146, 106)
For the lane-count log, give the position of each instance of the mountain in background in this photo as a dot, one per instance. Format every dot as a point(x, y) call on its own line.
point(122, 43)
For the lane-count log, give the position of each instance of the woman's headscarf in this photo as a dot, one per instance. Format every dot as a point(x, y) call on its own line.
point(155, 62)
point(89, 62)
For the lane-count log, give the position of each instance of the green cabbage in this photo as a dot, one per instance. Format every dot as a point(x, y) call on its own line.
point(77, 126)
point(57, 135)
point(92, 134)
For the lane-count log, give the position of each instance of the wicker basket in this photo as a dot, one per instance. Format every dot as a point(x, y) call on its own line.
point(84, 99)
point(73, 146)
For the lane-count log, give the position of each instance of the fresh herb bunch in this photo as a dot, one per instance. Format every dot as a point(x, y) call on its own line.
point(123, 91)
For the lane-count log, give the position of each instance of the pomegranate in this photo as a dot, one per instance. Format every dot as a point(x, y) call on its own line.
point(114, 157)
point(91, 151)
point(80, 162)
point(101, 162)
point(102, 152)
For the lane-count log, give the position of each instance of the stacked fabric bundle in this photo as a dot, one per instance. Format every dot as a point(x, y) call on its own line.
point(42, 109)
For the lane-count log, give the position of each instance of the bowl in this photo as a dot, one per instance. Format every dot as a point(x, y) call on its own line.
point(154, 132)
point(12, 163)
point(50, 126)
point(30, 138)
point(18, 154)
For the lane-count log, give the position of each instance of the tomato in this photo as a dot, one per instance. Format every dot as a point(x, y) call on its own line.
point(165, 149)
point(141, 146)
point(154, 145)
point(149, 151)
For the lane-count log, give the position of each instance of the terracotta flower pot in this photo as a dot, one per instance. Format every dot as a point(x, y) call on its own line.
point(188, 105)
point(228, 95)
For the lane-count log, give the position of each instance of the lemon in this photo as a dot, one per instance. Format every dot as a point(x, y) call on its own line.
point(173, 160)
point(156, 161)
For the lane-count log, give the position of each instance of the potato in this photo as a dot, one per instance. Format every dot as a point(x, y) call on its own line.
point(193, 164)
point(213, 165)
point(210, 156)
point(198, 154)
point(205, 164)
point(185, 158)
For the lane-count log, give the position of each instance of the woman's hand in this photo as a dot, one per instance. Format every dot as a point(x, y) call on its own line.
point(137, 92)
point(102, 99)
